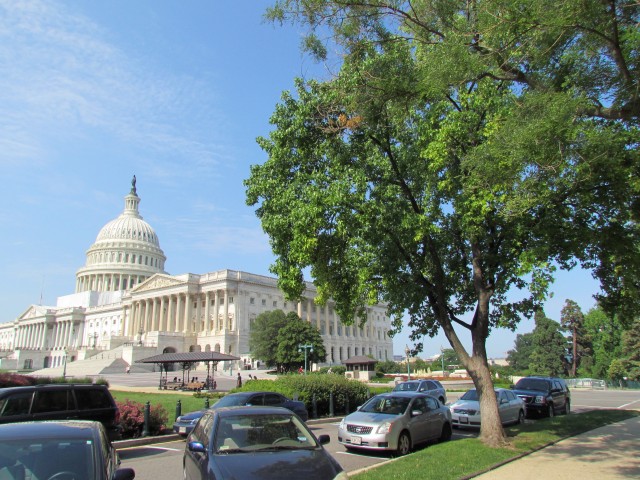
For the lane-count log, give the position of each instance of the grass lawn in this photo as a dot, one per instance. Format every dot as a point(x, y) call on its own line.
point(168, 401)
point(460, 458)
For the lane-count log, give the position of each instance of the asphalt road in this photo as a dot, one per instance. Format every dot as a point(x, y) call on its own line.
point(164, 461)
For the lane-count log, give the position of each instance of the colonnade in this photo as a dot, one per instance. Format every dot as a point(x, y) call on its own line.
point(108, 282)
point(176, 313)
point(34, 335)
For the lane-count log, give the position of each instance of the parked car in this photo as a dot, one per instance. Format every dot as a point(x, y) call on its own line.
point(59, 450)
point(395, 421)
point(262, 443)
point(465, 412)
point(543, 395)
point(185, 423)
point(61, 402)
point(432, 387)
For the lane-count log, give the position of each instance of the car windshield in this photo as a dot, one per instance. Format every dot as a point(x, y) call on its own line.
point(532, 384)
point(389, 405)
point(470, 395)
point(406, 387)
point(244, 433)
point(231, 401)
point(44, 458)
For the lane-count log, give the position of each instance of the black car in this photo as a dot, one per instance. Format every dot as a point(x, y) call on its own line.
point(544, 395)
point(256, 443)
point(185, 423)
point(59, 450)
point(61, 402)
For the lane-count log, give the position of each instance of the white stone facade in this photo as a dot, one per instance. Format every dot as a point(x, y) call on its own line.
point(124, 300)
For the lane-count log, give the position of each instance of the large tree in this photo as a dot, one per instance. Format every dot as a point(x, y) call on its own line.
point(462, 150)
point(604, 333)
point(519, 358)
point(263, 336)
point(549, 354)
point(572, 320)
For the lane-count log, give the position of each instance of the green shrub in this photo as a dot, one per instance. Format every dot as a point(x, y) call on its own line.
point(347, 394)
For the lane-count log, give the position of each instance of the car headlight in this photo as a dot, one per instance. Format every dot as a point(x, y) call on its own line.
point(384, 428)
point(343, 424)
point(341, 476)
point(179, 419)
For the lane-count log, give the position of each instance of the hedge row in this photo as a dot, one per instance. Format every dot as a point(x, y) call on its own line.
point(347, 394)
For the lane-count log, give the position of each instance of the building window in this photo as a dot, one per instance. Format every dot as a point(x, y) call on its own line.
point(252, 300)
point(230, 300)
point(264, 302)
point(275, 304)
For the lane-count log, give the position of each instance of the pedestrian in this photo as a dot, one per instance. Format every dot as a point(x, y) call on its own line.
point(300, 370)
point(239, 381)
point(128, 369)
point(215, 384)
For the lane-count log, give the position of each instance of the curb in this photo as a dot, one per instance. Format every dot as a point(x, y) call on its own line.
point(136, 442)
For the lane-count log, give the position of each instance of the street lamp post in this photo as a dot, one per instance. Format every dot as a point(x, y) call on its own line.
point(407, 351)
point(306, 348)
point(442, 358)
point(64, 364)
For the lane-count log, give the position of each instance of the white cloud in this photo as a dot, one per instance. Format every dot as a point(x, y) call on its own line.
point(63, 74)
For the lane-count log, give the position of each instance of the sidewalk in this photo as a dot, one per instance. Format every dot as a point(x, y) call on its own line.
point(610, 452)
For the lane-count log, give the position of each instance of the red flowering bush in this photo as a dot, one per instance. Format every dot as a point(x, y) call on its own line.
point(16, 380)
point(132, 419)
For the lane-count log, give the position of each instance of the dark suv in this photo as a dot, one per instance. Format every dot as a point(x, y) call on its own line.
point(61, 402)
point(430, 387)
point(544, 395)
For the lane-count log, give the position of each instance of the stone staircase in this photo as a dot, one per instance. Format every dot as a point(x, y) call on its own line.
point(107, 362)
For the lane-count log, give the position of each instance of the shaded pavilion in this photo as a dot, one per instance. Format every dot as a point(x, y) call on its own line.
point(187, 357)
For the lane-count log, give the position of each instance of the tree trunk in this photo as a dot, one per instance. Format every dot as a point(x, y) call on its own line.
point(491, 431)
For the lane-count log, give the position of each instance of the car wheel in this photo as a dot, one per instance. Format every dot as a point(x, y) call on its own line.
point(551, 411)
point(404, 444)
point(567, 407)
point(520, 417)
point(445, 436)
point(441, 400)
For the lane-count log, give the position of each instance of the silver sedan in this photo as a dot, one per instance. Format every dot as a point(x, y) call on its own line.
point(395, 421)
point(465, 412)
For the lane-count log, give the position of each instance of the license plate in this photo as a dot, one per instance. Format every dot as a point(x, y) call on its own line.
point(463, 420)
point(356, 440)
point(182, 429)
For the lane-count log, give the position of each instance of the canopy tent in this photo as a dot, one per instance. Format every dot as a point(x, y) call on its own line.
point(188, 357)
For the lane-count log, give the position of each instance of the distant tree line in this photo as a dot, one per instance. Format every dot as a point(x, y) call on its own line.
point(592, 345)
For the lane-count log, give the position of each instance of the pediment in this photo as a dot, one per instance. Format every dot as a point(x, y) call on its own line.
point(157, 281)
point(32, 312)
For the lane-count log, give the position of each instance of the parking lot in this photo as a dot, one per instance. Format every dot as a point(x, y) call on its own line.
point(163, 461)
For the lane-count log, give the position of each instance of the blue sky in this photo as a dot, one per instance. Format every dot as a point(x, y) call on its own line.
point(175, 92)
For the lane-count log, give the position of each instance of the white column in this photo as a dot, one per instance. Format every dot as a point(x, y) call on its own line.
point(226, 310)
point(207, 312)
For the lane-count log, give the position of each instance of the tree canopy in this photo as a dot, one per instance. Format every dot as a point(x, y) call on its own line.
point(461, 152)
point(276, 336)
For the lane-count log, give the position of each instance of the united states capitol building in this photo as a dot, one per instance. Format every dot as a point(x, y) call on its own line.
point(126, 307)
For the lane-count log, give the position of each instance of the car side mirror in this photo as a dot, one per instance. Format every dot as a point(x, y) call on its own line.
point(512, 386)
point(196, 447)
point(124, 474)
point(324, 439)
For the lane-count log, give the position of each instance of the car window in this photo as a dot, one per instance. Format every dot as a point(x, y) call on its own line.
point(388, 405)
point(257, 399)
point(431, 385)
point(510, 395)
point(51, 401)
point(419, 404)
point(532, 384)
point(92, 398)
point(198, 433)
point(406, 387)
point(16, 404)
point(272, 399)
point(470, 395)
point(432, 403)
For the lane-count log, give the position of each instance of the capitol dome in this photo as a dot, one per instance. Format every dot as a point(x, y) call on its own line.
point(125, 253)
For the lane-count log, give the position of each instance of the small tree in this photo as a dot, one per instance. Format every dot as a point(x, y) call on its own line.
point(520, 357)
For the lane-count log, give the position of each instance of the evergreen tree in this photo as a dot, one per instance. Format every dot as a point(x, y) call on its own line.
point(572, 320)
point(549, 347)
point(263, 336)
point(604, 332)
point(520, 357)
point(631, 350)
point(299, 332)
